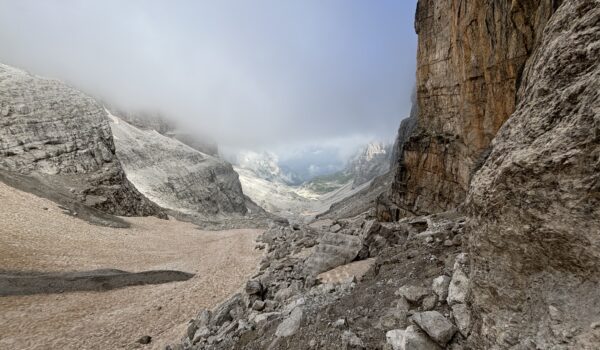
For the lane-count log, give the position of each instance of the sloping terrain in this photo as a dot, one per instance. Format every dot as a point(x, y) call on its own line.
point(295, 203)
point(61, 136)
point(37, 238)
point(513, 267)
point(176, 176)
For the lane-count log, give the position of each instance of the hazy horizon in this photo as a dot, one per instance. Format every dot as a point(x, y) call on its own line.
point(263, 75)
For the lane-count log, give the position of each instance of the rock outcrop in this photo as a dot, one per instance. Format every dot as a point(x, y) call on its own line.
point(176, 176)
point(61, 136)
point(534, 205)
point(470, 58)
point(285, 307)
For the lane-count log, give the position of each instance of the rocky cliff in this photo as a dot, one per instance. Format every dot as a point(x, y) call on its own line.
point(371, 161)
point(534, 206)
point(61, 136)
point(470, 59)
point(175, 175)
point(508, 139)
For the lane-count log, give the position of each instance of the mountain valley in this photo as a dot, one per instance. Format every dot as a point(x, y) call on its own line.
point(479, 228)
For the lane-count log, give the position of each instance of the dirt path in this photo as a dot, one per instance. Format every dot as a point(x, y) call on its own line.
point(36, 236)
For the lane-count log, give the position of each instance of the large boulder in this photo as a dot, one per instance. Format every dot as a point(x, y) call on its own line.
point(334, 249)
point(410, 339)
point(435, 325)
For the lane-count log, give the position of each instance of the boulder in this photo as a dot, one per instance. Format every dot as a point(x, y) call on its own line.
point(145, 339)
point(370, 227)
point(410, 339)
point(435, 325)
point(258, 305)
point(254, 287)
point(334, 249)
point(413, 294)
point(291, 324)
point(335, 228)
point(440, 286)
point(462, 318)
point(458, 290)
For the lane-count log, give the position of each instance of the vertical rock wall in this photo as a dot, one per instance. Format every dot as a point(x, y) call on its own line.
point(534, 206)
point(470, 58)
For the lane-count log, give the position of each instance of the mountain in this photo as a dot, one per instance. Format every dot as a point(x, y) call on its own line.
point(486, 234)
point(367, 163)
point(371, 161)
point(266, 166)
point(507, 100)
point(175, 175)
point(61, 137)
point(160, 123)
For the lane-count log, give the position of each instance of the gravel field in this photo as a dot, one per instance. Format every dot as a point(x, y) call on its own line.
point(36, 236)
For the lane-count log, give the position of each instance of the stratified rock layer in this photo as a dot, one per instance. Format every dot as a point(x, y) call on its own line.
point(60, 135)
point(175, 175)
point(535, 203)
point(470, 58)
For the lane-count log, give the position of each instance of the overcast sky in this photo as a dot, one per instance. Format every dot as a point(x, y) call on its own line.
point(254, 74)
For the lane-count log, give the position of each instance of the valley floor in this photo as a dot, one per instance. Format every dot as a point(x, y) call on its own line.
point(35, 236)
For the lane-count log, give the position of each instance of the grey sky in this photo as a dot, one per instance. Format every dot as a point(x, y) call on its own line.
point(254, 74)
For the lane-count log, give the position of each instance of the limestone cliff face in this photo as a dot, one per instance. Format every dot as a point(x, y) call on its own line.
point(175, 175)
point(62, 136)
point(470, 58)
point(534, 206)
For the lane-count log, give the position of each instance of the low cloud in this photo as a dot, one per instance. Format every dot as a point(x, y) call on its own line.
point(252, 74)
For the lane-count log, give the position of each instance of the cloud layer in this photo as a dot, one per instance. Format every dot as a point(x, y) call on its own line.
point(253, 74)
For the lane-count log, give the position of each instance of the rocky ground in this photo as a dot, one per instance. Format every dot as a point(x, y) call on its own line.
point(411, 287)
point(38, 236)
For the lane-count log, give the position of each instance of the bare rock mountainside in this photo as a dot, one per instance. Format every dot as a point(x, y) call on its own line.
point(470, 59)
point(491, 238)
point(144, 120)
point(176, 176)
point(61, 137)
point(371, 161)
point(534, 205)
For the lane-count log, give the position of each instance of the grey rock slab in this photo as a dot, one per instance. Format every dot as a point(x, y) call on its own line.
point(291, 324)
point(458, 290)
point(462, 318)
point(413, 294)
point(410, 339)
point(333, 250)
point(438, 327)
point(440, 286)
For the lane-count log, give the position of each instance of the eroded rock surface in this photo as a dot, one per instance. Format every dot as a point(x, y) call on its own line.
point(175, 175)
point(469, 63)
point(61, 136)
point(534, 204)
point(285, 307)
